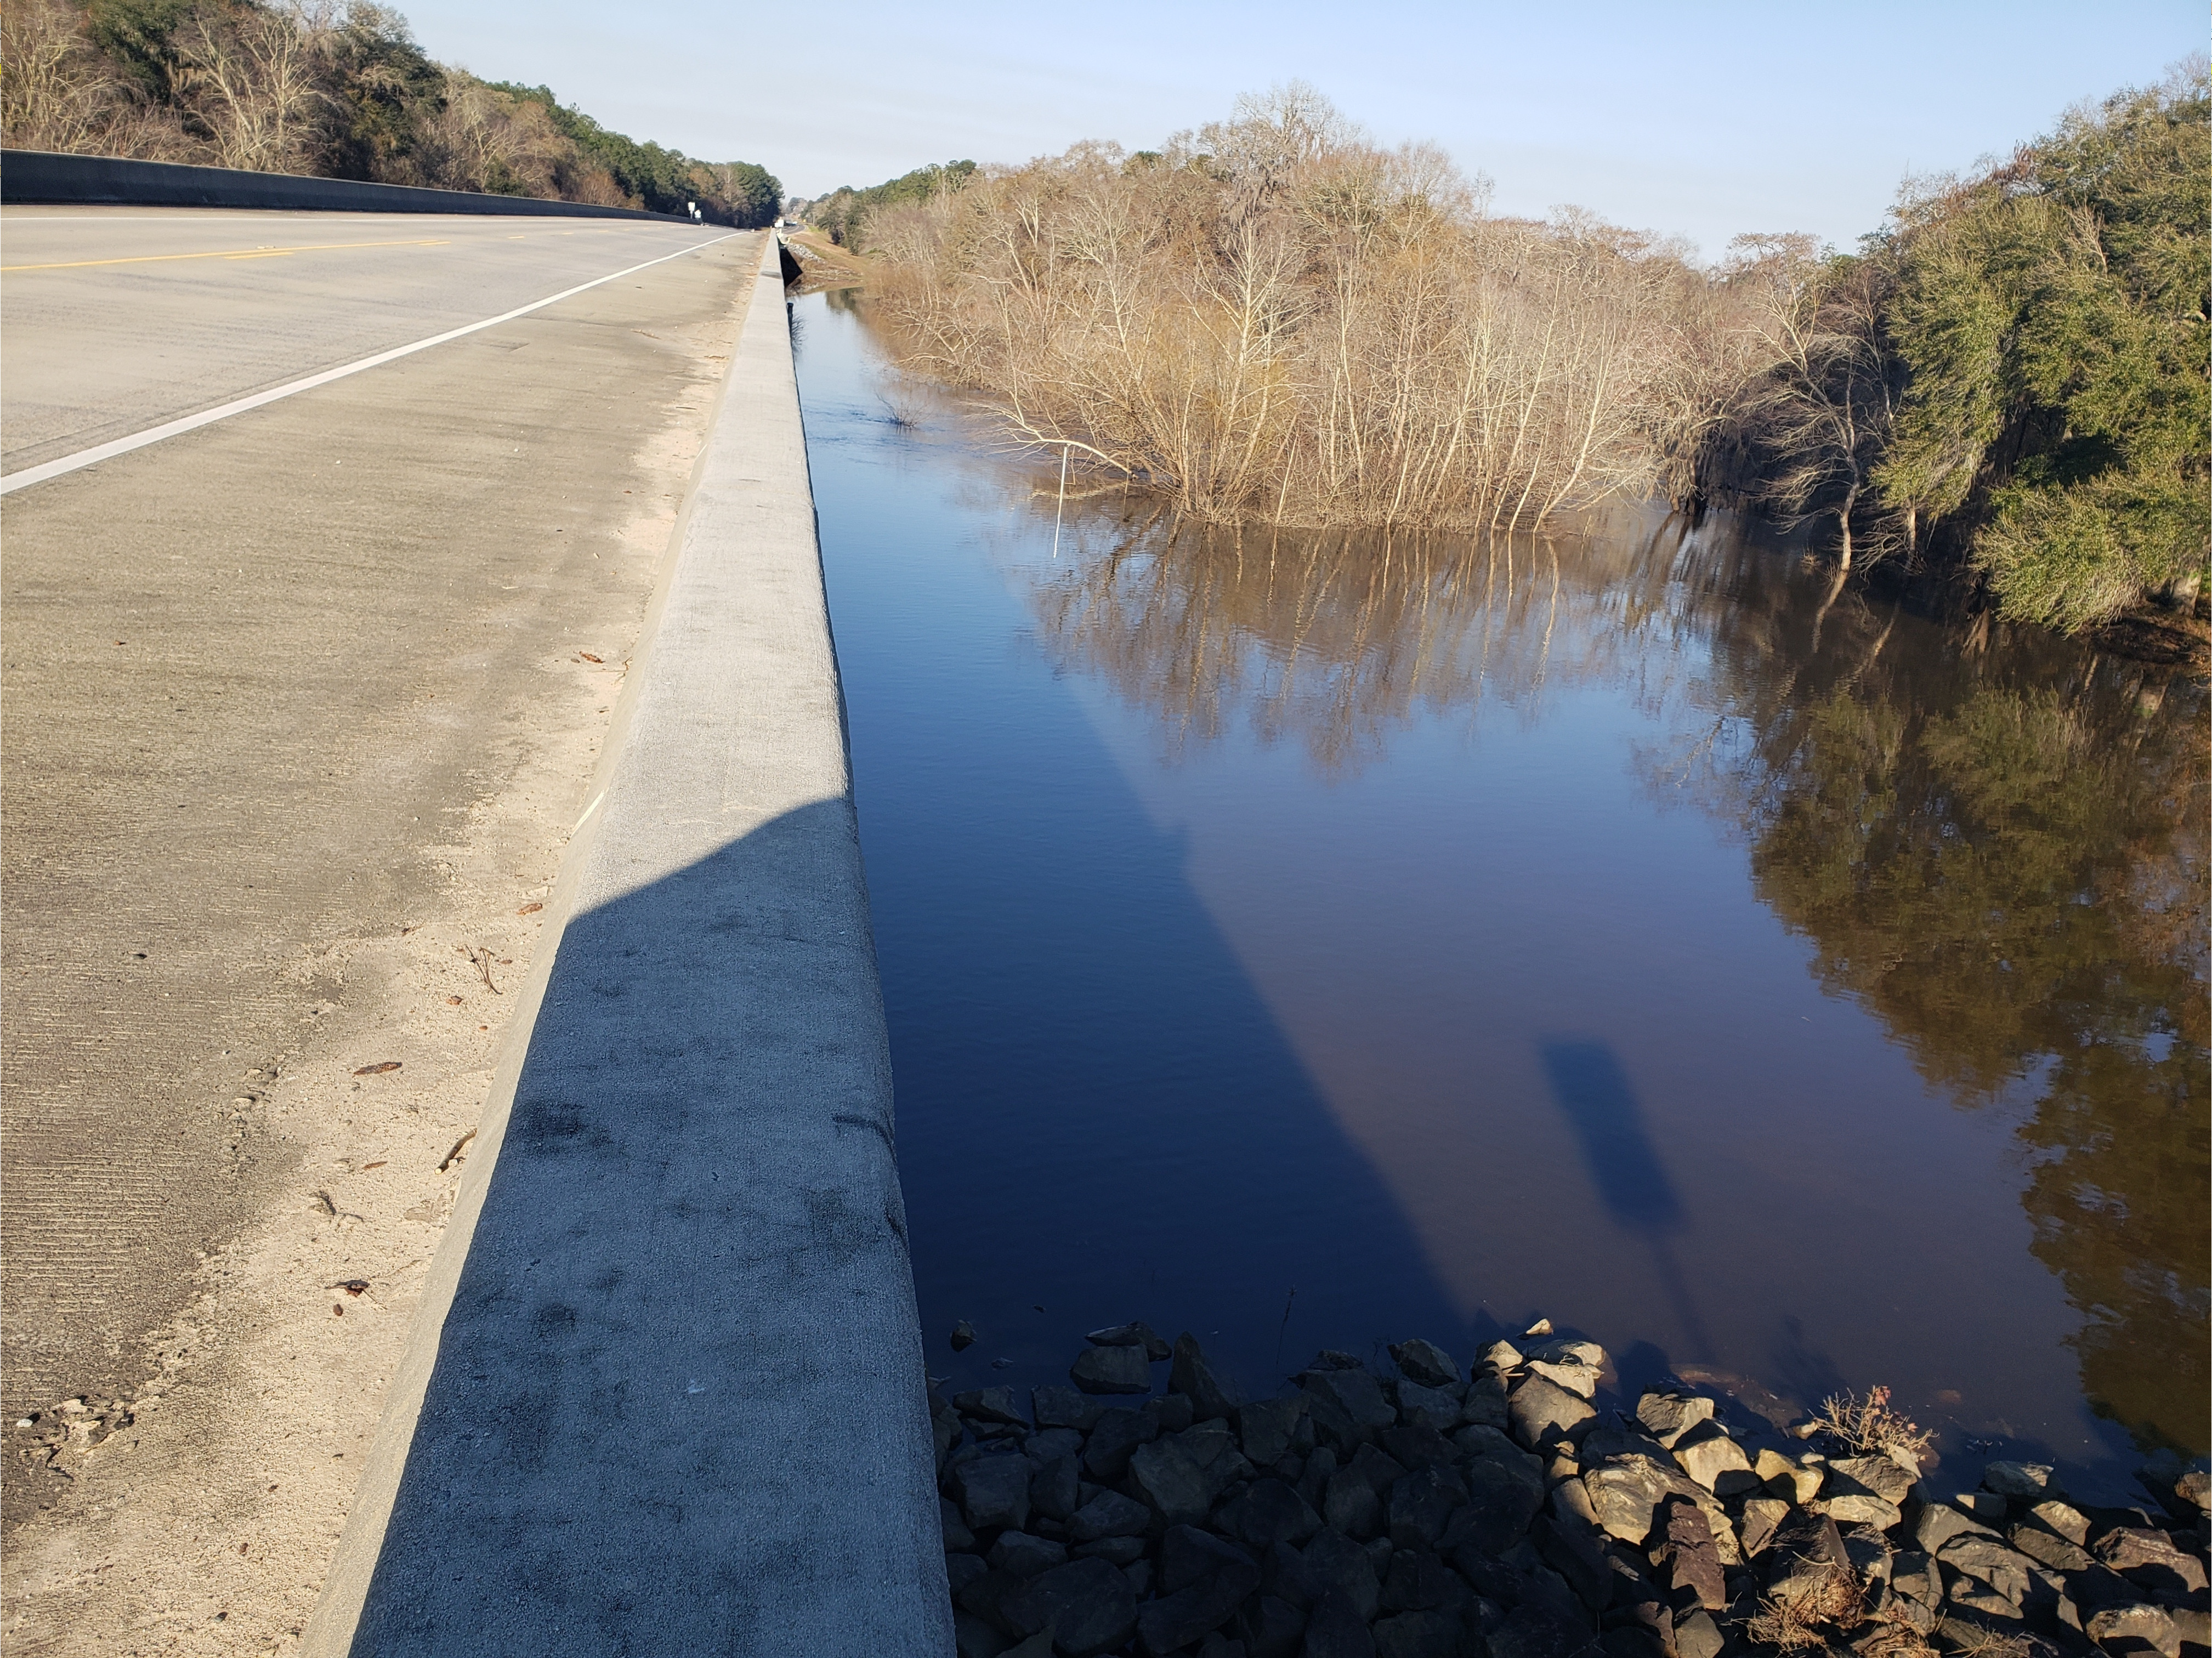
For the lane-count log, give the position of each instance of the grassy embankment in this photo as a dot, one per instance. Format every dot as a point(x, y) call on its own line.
point(1273, 318)
point(295, 87)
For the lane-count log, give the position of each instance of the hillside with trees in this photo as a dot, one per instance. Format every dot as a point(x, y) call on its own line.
point(842, 215)
point(1273, 319)
point(300, 87)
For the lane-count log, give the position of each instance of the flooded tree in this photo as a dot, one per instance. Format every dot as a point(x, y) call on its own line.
point(1273, 318)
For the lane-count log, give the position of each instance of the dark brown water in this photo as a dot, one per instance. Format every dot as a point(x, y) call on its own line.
point(1311, 941)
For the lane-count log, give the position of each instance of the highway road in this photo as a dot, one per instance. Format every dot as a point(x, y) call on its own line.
point(302, 704)
point(120, 319)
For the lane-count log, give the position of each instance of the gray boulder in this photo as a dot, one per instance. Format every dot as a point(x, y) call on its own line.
point(1696, 1635)
point(1269, 1429)
point(1267, 1513)
point(1886, 1478)
point(1762, 1517)
point(1119, 1432)
point(1804, 1556)
point(1543, 1412)
point(1501, 1501)
point(1191, 1375)
point(1532, 1629)
point(956, 1535)
point(1170, 1479)
point(1056, 1488)
point(1499, 1356)
point(1572, 1551)
point(2062, 1519)
point(990, 1404)
point(1335, 1629)
point(2152, 1561)
point(1419, 1582)
point(1426, 1364)
point(962, 1569)
point(993, 1491)
point(1708, 1456)
point(1109, 1513)
point(1131, 1335)
point(2005, 1571)
point(1025, 1556)
point(1624, 1492)
point(1431, 1407)
point(1332, 1564)
point(1939, 1522)
point(1848, 1503)
point(2047, 1548)
point(1112, 1370)
point(1274, 1629)
point(1485, 1404)
point(1202, 1581)
point(1562, 1349)
point(1669, 1416)
point(2021, 1482)
point(1352, 1395)
point(1689, 1561)
point(1064, 1408)
point(2138, 1629)
point(1424, 1633)
point(1421, 1506)
point(1120, 1551)
point(1088, 1605)
point(1580, 1380)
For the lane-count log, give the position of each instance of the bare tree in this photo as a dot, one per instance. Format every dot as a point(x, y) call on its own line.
point(482, 138)
point(55, 93)
point(1275, 318)
point(252, 76)
point(1829, 398)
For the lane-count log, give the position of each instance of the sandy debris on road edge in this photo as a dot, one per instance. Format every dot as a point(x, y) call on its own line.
point(207, 1523)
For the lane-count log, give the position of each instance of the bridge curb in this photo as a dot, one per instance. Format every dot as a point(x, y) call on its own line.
point(665, 1389)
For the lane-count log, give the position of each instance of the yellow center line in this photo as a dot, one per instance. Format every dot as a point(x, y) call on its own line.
point(228, 253)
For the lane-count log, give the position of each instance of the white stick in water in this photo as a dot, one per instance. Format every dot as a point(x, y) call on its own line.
point(1062, 510)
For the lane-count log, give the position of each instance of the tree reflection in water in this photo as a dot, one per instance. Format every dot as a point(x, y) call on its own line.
point(1994, 840)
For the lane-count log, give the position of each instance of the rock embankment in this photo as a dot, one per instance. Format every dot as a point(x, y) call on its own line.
point(1421, 1511)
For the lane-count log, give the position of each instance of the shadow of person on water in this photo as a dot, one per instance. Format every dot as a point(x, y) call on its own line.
point(1601, 1107)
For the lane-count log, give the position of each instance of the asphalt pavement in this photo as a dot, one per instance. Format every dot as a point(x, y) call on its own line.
point(257, 675)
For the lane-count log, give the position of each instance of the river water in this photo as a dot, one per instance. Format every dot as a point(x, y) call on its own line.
point(1311, 941)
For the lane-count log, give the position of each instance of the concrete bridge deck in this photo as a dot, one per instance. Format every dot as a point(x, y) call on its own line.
point(304, 703)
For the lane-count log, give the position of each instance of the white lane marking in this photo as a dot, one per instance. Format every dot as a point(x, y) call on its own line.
point(52, 469)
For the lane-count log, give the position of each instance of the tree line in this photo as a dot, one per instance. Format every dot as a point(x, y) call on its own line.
point(302, 87)
point(1274, 319)
point(842, 215)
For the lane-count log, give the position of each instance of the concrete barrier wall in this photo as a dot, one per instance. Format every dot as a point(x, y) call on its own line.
point(37, 175)
point(664, 1392)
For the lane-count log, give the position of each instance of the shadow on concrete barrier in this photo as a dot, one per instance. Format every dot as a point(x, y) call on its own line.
point(664, 1391)
point(682, 1339)
point(28, 176)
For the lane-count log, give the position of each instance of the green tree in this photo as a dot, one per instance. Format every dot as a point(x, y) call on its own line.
point(842, 215)
point(2053, 317)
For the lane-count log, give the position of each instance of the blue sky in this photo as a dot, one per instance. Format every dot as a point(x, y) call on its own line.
point(1701, 119)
